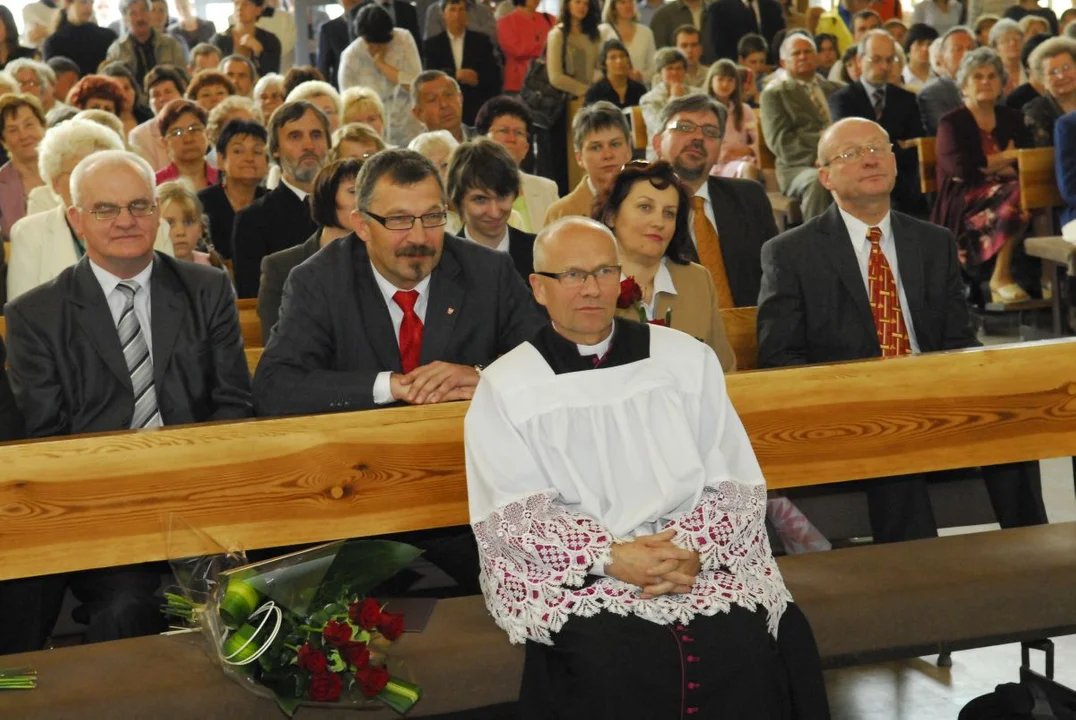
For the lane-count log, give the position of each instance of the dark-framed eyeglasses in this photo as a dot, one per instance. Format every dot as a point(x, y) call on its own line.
point(406, 222)
point(575, 278)
point(179, 132)
point(109, 211)
point(710, 132)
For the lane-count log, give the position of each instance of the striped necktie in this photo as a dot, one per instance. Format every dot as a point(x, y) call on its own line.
point(139, 362)
point(879, 103)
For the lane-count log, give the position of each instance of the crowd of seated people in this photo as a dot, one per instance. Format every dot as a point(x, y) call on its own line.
point(382, 200)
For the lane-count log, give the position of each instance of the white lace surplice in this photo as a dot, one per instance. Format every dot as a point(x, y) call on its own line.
point(559, 467)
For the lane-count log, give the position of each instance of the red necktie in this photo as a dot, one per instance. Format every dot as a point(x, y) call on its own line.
point(410, 330)
point(885, 301)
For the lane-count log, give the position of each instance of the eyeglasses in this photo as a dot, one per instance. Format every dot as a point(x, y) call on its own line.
point(575, 278)
point(881, 59)
point(1059, 71)
point(876, 150)
point(29, 84)
point(506, 132)
point(712, 132)
point(180, 132)
point(108, 211)
point(406, 222)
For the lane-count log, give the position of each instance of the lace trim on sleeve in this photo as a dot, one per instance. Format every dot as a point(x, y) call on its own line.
point(535, 555)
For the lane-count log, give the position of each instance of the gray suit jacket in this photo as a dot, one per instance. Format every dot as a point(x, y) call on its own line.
point(792, 124)
point(937, 97)
point(335, 334)
point(275, 271)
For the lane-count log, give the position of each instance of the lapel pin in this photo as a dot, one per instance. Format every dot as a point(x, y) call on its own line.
point(451, 310)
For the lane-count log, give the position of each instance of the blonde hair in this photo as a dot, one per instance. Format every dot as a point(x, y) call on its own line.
point(354, 132)
point(105, 119)
point(311, 89)
point(609, 12)
point(8, 84)
point(220, 115)
point(362, 95)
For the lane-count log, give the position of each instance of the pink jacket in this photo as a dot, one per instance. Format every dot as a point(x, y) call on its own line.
point(521, 36)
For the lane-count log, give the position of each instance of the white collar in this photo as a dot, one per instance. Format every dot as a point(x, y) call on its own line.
point(502, 246)
point(300, 193)
point(857, 229)
point(108, 281)
point(871, 87)
point(663, 282)
point(388, 289)
point(601, 348)
point(590, 185)
point(704, 191)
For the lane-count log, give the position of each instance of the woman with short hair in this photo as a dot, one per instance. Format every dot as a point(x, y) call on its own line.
point(362, 105)
point(164, 83)
point(917, 72)
point(208, 88)
point(98, 92)
point(321, 95)
point(1007, 39)
point(269, 93)
point(617, 84)
point(183, 127)
point(22, 126)
point(1054, 64)
point(243, 164)
point(355, 140)
point(134, 112)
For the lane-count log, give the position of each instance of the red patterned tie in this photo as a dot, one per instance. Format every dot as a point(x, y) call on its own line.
point(410, 330)
point(885, 301)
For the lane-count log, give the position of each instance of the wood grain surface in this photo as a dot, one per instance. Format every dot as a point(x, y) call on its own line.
point(97, 501)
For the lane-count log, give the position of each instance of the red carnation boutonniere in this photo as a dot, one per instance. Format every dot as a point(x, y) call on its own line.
point(631, 296)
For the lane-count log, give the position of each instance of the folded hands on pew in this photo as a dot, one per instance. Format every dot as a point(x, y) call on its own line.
point(433, 383)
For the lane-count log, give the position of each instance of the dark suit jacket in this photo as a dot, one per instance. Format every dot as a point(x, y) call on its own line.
point(901, 119)
point(814, 308)
point(335, 334)
point(961, 159)
point(275, 222)
point(744, 221)
point(275, 270)
point(406, 18)
point(726, 21)
point(520, 249)
point(267, 62)
point(221, 217)
point(333, 37)
point(67, 366)
point(478, 55)
point(10, 419)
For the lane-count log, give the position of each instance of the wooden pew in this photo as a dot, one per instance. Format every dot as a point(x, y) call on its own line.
point(87, 502)
point(250, 325)
point(786, 210)
point(1038, 179)
point(928, 164)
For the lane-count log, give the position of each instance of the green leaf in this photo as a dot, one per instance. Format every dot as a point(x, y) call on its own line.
point(288, 704)
point(362, 565)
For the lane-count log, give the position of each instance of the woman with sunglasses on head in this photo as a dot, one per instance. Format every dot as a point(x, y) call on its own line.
point(648, 210)
point(182, 124)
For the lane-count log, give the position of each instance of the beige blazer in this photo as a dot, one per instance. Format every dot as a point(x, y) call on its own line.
point(578, 202)
point(539, 193)
point(694, 310)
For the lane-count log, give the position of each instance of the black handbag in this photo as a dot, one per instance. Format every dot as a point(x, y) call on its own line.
point(546, 102)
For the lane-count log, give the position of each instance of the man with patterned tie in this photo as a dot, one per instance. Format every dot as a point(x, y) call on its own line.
point(731, 218)
point(399, 312)
point(864, 281)
point(794, 112)
point(125, 339)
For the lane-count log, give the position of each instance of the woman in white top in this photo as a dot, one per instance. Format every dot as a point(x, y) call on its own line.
point(939, 14)
point(386, 59)
point(620, 22)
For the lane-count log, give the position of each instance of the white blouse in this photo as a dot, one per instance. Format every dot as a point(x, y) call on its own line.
point(357, 67)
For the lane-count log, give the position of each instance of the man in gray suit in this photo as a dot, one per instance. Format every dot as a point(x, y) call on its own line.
point(941, 94)
point(795, 112)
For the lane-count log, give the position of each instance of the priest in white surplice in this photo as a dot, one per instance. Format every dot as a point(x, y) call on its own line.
point(620, 515)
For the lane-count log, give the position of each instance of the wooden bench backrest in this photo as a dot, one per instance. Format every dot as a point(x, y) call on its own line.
point(1038, 179)
point(928, 164)
point(98, 501)
point(766, 159)
point(250, 325)
point(639, 137)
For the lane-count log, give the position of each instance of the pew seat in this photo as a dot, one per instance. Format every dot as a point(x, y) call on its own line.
point(865, 604)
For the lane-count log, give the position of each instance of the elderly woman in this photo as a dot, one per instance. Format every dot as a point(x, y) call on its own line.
point(355, 140)
point(97, 92)
point(331, 203)
point(323, 96)
point(180, 209)
point(269, 93)
point(1032, 25)
point(1031, 8)
point(234, 107)
point(617, 86)
point(620, 21)
point(1007, 39)
point(737, 158)
point(22, 123)
point(435, 146)
point(978, 192)
point(243, 165)
point(649, 209)
point(164, 84)
point(385, 59)
point(43, 245)
point(672, 67)
point(1054, 63)
point(182, 124)
point(208, 88)
point(362, 105)
point(134, 112)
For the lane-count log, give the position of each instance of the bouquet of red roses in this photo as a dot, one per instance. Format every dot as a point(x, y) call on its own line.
point(631, 297)
point(301, 626)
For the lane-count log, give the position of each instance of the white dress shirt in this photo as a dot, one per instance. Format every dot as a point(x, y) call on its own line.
point(299, 192)
point(457, 48)
point(502, 246)
point(117, 299)
point(382, 383)
point(708, 208)
point(857, 232)
point(663, 283)
point(752, 5)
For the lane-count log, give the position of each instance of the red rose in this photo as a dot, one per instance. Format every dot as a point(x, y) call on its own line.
point(312, 659)
point(630, 293)
point(357, 655)
point(391, 625)
point(326, 687)
point(369, 614)
point(336, 632)
point(658, 321)
point(372, 680)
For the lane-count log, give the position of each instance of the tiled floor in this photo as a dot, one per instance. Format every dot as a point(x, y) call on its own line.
point(918, 689)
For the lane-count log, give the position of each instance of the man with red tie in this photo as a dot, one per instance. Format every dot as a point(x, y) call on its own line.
point(862, 281)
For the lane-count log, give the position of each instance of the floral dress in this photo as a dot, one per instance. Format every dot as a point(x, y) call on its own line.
point(992, 215)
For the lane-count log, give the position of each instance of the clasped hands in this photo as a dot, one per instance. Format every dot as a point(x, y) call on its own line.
point(655, 564)
point(434, 383)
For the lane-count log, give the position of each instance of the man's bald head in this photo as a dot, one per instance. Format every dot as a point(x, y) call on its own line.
point(857, 164)
point(95, 166)
point(841, 131)
point(564, 232)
